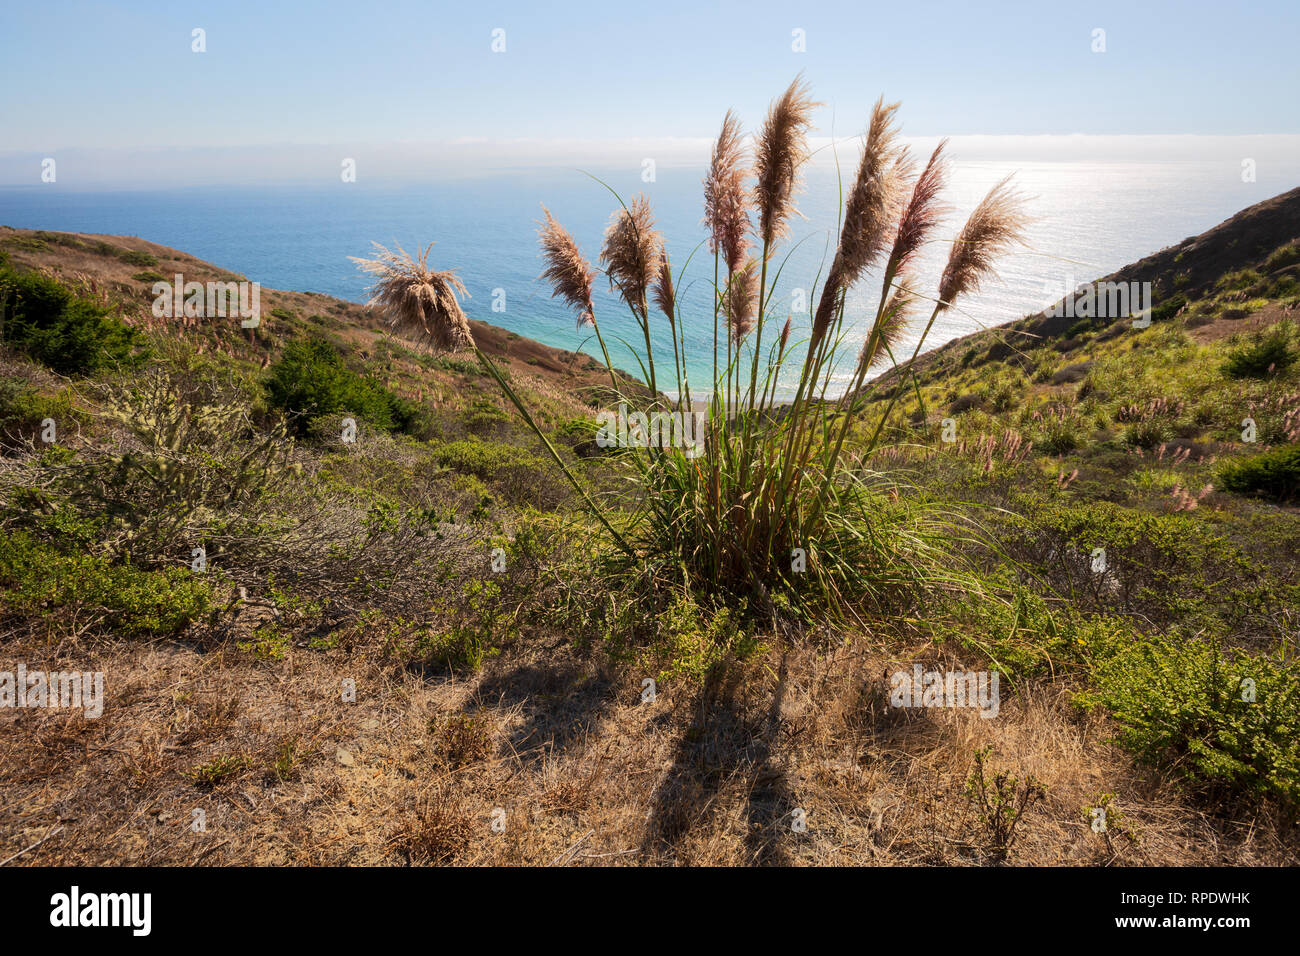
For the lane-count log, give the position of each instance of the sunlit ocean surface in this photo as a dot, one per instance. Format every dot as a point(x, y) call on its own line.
point(1089, 219)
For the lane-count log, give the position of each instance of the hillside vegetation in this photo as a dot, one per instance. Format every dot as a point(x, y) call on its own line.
point(348, 606)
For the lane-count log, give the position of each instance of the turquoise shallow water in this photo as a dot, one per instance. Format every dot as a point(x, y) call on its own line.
point(1090, 218)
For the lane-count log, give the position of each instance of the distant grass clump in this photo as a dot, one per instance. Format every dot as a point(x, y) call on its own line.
point(310, 379)
point(1274, 474)
point(1283, 256)
point(134, 257)
point(1168, 308)
point(45, 320)
point(1266, 354)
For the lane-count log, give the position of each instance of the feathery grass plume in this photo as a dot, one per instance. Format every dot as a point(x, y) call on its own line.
point(891, 325)
point(778, 154)
point(631, 253)
point(568, 272)
point(997, 223)
point(725, 210)
point(418, 302)
point(664, 295)
point(922, 211)
point(872, 199)
point(785, 336)
point(741, 299)
point(871, 206)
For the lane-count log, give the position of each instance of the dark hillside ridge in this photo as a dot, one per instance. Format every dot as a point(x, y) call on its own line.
point(1191, 269)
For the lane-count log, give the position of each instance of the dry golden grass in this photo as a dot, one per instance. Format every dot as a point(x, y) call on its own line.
point(584, 772)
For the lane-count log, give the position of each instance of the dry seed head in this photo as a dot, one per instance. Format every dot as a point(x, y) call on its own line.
point(631, 253)
point(892, 324)
point(725, 211)
point(568, 272)
point(922, 210)
point(871, 207)
point(664, 295)
point(997, 223)
point(780, 151)
point(418, 302)
point(741, 300)
point(873, 197)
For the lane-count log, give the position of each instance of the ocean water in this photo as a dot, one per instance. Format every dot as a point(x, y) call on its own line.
point(1089, 218)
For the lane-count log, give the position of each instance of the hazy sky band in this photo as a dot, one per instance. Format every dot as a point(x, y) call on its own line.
point(345, 74)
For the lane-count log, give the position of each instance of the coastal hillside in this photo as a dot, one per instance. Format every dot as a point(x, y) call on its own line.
point(1221, 282)
point(122, 270)
point(349, 608)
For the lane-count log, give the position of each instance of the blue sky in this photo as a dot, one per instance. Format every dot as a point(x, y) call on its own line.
point(122, 74)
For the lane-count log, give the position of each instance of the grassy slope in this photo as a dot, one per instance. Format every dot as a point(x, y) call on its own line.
point(240, 713)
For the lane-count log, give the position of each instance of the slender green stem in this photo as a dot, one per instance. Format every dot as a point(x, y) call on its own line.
point(577, 486)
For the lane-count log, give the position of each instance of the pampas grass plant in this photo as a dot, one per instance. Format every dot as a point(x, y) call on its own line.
point(771, 513)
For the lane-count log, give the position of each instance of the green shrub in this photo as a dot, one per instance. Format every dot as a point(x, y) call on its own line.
point(199, 470)
point(459, 366)
point(692, 641)
point(46, 321)
point(1164, 567)
point(1283, 256)
point(484, 418)
point(135, 257)
point(1265, 355)
point(23, 409)
point(310, 380)
point(1283, 287)
point(38, 580)
point(1236, 281)
point(490, 462)
point(1168, 308)
point(1000, 800)
point(478, 624)
point(1192, 708)
point(1274, 474)
point(1024, 636)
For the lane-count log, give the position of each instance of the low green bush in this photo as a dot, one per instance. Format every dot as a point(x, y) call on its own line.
point(1274, 474)
point(1166, 568)
point(23, 409)
point(44, 320)
point(488, 461)
point(1266, 354)
point(310, 379)
point(1230, 721)
point(135, 257)
point(484, 418)
point(40, 581)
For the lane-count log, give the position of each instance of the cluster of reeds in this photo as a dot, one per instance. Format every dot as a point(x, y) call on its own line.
point(775, 500)
point(1009, 448)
